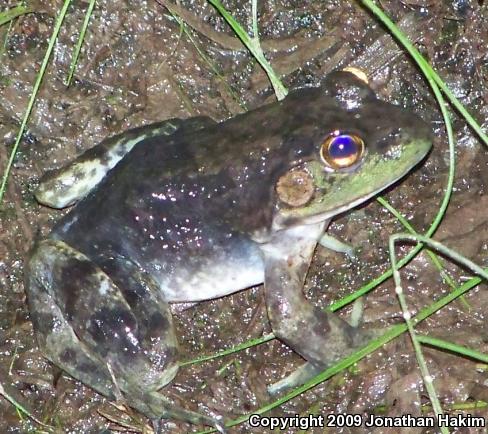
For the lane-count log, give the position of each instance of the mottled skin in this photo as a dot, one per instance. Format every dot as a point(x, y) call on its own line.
point(194, 215)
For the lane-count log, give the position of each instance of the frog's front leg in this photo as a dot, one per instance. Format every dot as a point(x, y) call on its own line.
point(107, 325)
point(321, 338)
point(65, 186)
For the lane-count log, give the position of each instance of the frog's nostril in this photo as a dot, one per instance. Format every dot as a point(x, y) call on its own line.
point(389, 139)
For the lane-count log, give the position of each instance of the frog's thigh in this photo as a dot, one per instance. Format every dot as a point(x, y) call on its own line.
point(93, 312)
point(65, 186)
point(319, 337)
point(154, 319)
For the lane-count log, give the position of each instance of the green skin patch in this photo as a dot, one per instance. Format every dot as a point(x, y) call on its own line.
point(338, 192)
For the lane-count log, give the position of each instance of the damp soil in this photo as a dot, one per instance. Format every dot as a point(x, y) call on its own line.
point(139, 65)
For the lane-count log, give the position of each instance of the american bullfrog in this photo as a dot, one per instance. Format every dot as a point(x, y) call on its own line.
point(190, 210)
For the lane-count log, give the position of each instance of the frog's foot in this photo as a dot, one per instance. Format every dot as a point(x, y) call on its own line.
point(63, 187)
point(106, 325)
point(307, 370)
point(320, 337)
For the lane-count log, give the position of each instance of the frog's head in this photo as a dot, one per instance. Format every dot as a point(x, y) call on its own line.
point(364, 146)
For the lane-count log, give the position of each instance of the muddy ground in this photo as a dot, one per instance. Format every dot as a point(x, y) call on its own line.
point(138, 65)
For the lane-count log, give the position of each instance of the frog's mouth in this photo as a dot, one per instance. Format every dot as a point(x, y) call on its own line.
point(336, 193)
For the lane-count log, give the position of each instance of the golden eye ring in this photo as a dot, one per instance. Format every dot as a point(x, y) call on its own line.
point(342, 150)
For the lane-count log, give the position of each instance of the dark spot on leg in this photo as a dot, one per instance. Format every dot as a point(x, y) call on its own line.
point(87, 368)
point(44, 322)
point(158, 322)
point(68, 356)
point(320, 327)
point(74, 278)
point(111, 328)
point(171, 353)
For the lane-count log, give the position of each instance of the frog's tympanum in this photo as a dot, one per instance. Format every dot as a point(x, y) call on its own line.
point(190, 210)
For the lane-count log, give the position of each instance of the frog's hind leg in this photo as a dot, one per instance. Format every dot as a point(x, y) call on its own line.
point(65, 186)
point(119, 342)
point(321, 338)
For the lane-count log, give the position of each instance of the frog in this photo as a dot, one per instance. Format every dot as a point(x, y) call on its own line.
point(187, 210)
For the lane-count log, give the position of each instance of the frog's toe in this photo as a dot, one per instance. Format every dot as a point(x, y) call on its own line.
point(220, 427)
point(332, 243)
point(298, 377)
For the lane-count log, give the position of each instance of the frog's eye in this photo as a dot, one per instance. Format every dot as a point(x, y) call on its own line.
point(341, 150)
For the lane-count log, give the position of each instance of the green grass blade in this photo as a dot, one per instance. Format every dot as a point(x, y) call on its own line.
point(455, 348)
point(252, 44)
point(30, 105)
point(79, 43)
point(10, 14)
